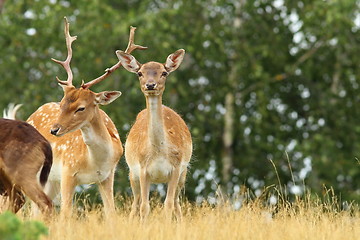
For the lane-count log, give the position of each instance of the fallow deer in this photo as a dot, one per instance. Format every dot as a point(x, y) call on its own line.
point(159, 146)
point(86, 144)
point(25, 163)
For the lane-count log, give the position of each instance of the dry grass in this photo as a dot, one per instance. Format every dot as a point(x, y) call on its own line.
point(308, 219)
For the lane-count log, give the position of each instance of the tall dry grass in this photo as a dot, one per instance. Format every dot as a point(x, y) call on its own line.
point(308, 217)
point(301, 219)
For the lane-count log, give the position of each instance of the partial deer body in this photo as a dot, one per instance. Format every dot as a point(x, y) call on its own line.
point(159, 146)
point(84, 153)
point(25, 162)
point(85, 141)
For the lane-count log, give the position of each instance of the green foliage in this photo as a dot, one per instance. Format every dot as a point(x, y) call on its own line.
point(291, 66)
point(12, 228)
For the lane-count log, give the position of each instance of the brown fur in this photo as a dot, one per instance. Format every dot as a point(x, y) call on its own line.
point(177, 134)
point(23, 153)
point(158, 148)
point(72, 156)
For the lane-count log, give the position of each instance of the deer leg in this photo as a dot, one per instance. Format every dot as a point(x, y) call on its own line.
point(12, 196)
point(17, 199)
point(182, 179)
point(30, 186)
point(52, 190)
point(135, 187)
point(145, 189)
point(37, 195)
point(68, 185)
point(13, 186)
point(106, 189)
point(171, 192)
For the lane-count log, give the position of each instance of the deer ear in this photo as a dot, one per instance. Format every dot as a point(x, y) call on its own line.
point(174, 60)
point(128, 61)
point(106, 97)
point(66, 88)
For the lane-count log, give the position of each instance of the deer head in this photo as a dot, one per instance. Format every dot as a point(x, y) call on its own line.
point(80, 105)
point(152, 75)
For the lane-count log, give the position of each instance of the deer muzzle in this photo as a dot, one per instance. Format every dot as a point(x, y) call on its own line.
point(55, 130)
point(150, 86)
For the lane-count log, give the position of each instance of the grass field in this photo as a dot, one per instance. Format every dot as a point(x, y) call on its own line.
point(302, 219)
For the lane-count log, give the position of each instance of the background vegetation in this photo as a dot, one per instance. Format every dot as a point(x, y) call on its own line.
point(12, 228)
point(264, 83)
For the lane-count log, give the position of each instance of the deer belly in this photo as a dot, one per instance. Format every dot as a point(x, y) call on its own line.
point(92, 176)
point(159, 171)
point(55, 172)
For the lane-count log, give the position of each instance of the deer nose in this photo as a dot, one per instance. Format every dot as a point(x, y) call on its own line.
point(150, 86)
point(54, 131)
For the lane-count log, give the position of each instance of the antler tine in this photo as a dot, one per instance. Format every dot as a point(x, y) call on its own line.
point(66, 64)
point(131, 47)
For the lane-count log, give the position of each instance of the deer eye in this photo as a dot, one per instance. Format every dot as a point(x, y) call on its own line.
point(164, 74)
point(80, 109)
point(139, 74)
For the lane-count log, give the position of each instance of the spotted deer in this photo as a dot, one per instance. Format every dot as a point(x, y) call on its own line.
point(159, 146)
point(86, 144)
point(25, 163)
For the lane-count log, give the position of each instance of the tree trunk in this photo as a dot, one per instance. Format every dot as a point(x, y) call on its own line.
point(335, 85)
point(228, 138)
point(228, 134)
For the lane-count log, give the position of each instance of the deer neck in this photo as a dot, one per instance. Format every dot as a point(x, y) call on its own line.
point(155, 120)
point(96, 137)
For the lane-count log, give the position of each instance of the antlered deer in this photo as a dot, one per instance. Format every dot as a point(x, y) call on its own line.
point(25, 163)
point(85, 142)
point(159, 146)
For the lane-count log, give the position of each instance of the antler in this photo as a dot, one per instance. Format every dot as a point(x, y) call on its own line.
point(131, 47)
point(66, 63)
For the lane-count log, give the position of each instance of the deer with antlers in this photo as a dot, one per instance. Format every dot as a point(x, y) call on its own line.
point(159, 146)
point(85, 142)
